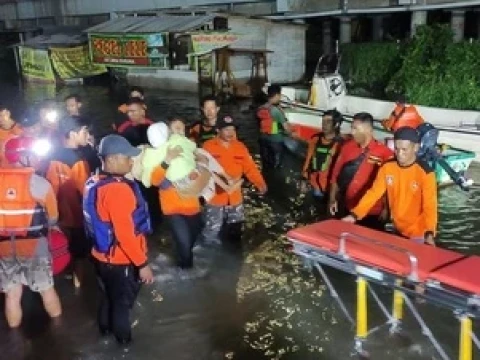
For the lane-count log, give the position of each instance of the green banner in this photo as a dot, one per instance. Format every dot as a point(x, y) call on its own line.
point(74, 62)
point(36, 64)
point(130, 50)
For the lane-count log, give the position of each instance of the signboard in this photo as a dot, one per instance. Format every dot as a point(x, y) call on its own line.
point(130, 50)
point(36, 64)
point(205, 42)
point(74, 62)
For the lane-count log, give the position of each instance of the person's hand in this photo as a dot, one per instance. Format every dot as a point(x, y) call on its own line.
point(91, 140)
point(333, 207)
point(173, 153)
point(303, 186)
point(350, 219)
point(383, 217)
point(430, 240)
point(262, 190)
point(202, 159)
point(146, 274)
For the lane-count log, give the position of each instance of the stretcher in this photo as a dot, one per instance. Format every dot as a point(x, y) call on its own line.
point(447, 278)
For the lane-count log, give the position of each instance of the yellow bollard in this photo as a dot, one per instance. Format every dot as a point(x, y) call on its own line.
point(398, 302)
point(465, 338)
point(362, 311)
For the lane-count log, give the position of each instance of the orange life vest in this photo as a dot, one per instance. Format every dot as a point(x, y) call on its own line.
point(403, 115)
point(21, 216)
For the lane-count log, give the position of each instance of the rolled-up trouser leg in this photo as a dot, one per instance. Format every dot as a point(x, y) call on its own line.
point(213, 219)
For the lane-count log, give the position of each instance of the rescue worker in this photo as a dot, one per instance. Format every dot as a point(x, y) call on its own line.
point(273, 128)
point(322, 151)
point(74, 106)
point(42, 121)
point(67, 172)
point(135, 128)
point(355, 169)
point(49, 118)
point(29, 210)
point(227, 207)
point(135, 92)
point(182, 212)
point(402, 115)
point(117, 221)
point(411, 190)
point(8, 129)
point(204, 129)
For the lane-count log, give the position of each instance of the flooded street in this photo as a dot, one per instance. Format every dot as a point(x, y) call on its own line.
point(257, 302)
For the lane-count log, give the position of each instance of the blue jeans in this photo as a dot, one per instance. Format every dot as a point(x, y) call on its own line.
point(185, 230)
point(271, 152)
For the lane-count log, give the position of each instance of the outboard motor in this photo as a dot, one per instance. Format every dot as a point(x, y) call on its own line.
point(428, 151)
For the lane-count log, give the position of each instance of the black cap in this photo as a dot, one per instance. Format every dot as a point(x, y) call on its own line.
point(407, 133)
point(225, 121)
point(274, 90)
point(70, 123)
point(117, 145)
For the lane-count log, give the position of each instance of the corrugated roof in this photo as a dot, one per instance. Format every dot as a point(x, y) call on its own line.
point(56, 40)
point(152, 24)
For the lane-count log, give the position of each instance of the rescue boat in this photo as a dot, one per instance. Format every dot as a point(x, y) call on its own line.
point(458, 129)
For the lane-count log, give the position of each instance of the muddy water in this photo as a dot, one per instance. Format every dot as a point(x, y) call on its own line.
point(257, 302)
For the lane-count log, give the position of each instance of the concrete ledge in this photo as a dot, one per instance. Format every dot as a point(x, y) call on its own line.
point(176, 80)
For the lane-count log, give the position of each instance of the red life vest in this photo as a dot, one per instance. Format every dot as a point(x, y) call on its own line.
point(268, 125)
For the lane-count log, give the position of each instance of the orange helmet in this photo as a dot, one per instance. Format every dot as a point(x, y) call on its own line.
point(21, 145)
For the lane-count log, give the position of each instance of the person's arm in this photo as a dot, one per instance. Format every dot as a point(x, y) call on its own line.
point(80, 174)
point(279, 116)
point(377, 190)
point(120, 202)
point(252, 173)
point(430, 206)
point(334, 189)
point(159, 173)
point(308, 158)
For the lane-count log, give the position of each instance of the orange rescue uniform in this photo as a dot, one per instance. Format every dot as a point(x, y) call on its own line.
point(6, 135)
point(68, 173)
point(171, 202)
point(237, 162)
point(403, 115)
point(412, 198)
point(116, 203)
point(27, 201)
point(355, 171)
point(318, 165)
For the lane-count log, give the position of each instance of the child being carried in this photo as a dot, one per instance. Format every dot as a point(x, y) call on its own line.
point(184, 171)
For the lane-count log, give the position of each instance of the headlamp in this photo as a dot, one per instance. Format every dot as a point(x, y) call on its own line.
point(41, 147)
point(52, 116)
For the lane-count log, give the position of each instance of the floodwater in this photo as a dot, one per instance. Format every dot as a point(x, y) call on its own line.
point(257, 302)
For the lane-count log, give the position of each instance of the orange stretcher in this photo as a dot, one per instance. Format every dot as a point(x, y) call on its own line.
point(448, 279)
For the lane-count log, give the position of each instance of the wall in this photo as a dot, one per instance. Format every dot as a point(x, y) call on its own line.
point(32, 9)
point(325, 5)
point(287, 62)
